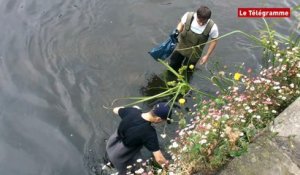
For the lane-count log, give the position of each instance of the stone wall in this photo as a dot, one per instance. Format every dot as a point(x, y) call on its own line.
point(276, 152)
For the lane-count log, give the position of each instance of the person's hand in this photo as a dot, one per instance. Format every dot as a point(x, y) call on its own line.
point(166, 165)
point(204, 59)
point(174, 35)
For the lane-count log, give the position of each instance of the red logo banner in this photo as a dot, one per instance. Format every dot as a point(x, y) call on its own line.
point(264, 12)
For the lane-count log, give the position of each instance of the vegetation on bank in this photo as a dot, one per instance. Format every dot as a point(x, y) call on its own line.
point(222, 126)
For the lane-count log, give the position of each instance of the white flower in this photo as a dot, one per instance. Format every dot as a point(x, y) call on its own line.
point(139, 160)
point(252, 88)
point(163, 136)
point(174, 157)
point(129, 167)
point(292, 85)
point(139, 171)
point(241, 134)
point(203, 141)
point(175, 145)
point(273, 111)
point(181, 133)
point(208, 126)
point(184, 148)
point(280, 60)
point(298, 75)
point(243, 120)
point(256, 81)
point(276, 83)
point(191, 127)
point(226, 116)
point(258, 117)
point(283, 67)
point(235, 88)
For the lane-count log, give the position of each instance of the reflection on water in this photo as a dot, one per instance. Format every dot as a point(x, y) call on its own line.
point(158, 83)
point(62, 60)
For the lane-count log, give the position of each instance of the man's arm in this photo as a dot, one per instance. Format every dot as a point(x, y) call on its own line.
point(180, 27)
point(159, 158)
point(116, 109)
point(211, 47)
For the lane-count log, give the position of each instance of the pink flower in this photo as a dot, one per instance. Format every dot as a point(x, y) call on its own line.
point(249, 70)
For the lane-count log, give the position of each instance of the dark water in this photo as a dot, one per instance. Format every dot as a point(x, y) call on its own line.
point(62, 60)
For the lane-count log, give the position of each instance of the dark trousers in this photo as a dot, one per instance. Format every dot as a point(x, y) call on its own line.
point(176, 60)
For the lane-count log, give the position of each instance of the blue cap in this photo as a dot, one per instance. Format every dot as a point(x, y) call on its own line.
point(163, 111)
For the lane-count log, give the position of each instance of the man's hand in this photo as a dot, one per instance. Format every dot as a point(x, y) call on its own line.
point(174, 35)
point(160, 159)
point(203, 60)
point(210, 49)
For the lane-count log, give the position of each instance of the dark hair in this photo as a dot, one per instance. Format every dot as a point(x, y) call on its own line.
point(203, 12)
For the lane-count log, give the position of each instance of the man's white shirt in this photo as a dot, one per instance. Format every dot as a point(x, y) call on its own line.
point(195, 27)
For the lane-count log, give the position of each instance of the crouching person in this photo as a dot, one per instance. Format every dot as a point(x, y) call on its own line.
point(135, 131)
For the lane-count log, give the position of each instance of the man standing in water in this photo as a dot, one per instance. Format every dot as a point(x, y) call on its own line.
point(134, 132)
point(194, 29)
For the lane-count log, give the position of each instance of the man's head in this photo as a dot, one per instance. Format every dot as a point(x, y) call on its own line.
point(203, 15)
point(162, 111)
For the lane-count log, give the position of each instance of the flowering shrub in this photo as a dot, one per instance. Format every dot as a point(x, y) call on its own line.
point(222, 128)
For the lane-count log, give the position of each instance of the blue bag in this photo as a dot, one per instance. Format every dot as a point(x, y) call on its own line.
point(165, 49)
